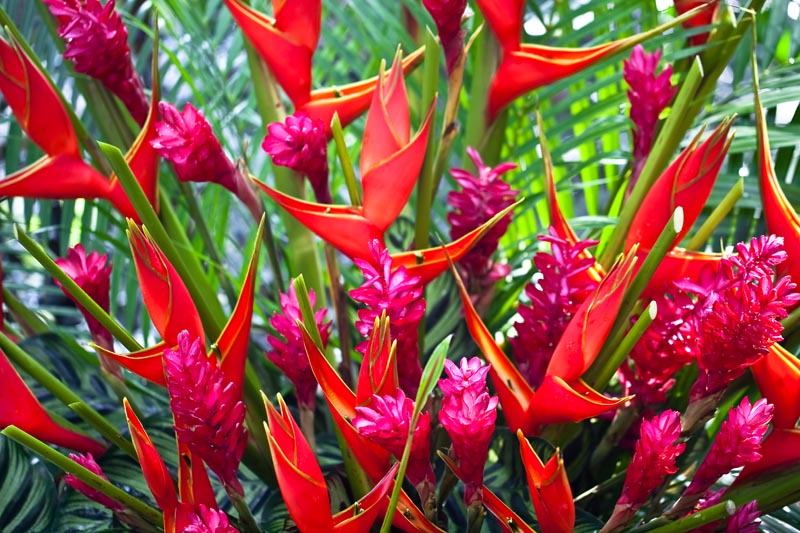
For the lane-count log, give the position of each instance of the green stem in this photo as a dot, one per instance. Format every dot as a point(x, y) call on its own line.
point(791, 321)
point(149, 513)
point(307, 312)
point(484, 66)
point(76, 292)
point(716, 217)
point(339, 300)
point(108, 430)
point(345, 161)
point(29, 321)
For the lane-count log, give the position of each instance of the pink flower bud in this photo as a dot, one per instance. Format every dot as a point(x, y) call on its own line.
point(88, 462)
point(92, 273)
point(447, 16)
point(208, 520)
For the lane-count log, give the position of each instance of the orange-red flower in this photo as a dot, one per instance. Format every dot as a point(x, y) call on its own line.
point(550, 490)
point(704, 17)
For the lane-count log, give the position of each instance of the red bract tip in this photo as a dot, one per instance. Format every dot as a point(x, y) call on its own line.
point(704, 17)
point(447, 17)
point(505, 18)
point(549, 489)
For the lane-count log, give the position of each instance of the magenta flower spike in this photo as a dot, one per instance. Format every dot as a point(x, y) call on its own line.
point(400, 296)
point(447, 17)
point(97, 44)
point(386, 421)
point(209, 414)
point(649, 94)
point(87, 461)
point(481, 197)
point(208, 520)
point(744, 519)
point(301, 144)
point(468, 414)
point(289, 354)
point(555, 299)
point(654, 459)
point(92, 273)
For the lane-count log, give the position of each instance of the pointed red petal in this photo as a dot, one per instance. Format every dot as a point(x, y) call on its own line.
point(235, 337)
point(587, 331)
point(549, 488)
point(378, 374)
point(778, 378)
point(557, 401)
point(705, 17)
point(147, 363)
point(350, 101)
point(288, 59)
point(677, 264)
point(687, 183)
point(388, 185)
point(431, 262)
point(165, 295)
point(194, 486)
point(359, 517)
point(505, 18)
point(300, 19)
point(35, 103)
point(780, 448)
point(155, 471)
point(299, 475)
point(61, 177)
point(22, 409)
point(345, 228)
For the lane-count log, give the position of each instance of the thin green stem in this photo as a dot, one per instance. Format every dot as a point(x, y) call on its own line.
point(484, 65)
point(152, 515)
point(345, 161)
point(29, 321)
point(339, 300)
point(307, 312)
point(716, 217)
point(108, 430)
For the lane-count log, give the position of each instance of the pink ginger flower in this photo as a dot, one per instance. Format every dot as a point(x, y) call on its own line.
point(289, 354)
point(745, 519)
point(738, 443)
point(209, 520)
point(87, 461)
point(386, 421)
point(97, 44)
point(468, 374)
point(400, 296)
point(649, 94)
point(209, 415)
point(92, 273)
point(447, 17)
point(301, 144)
point(481, 197)
point(653, 460)
point(468, 414)
point(555, 298)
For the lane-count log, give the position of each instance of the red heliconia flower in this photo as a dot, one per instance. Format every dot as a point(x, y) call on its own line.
point(23, 410)
point(704, 17)
point(562, 396)
point(289, 354)
point(653, 460)
point(447, 17)
point(687, 183)
point(207, 407)
point(301, 144)
point(303, 487)
point(549, 487)
point(208, 520)
point(555, 298)
point(97, 44)
point(737, 443)
point(394, 292)
point(649, 94)
point(88, 462)
point(481, 197)
point(92, 273)
point(386, 421)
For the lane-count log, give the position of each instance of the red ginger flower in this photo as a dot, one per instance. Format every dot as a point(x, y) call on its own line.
point(482, 197)
point(469, 374)
point(745, 519)
point(97, 44)
point(554, 301)
point(649, 95)
point(400, 296)
point(87, 461)
point(738, 443)
point(289, 355)
point(654, 459)
point(208, 520)
point(209, 416)
point(447, 16)
point(92, 273)
point(186, 140)
point(300, 143)
point(386, 421)
point(468, 415)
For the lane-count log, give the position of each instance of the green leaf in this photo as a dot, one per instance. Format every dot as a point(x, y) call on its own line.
point(28, 496)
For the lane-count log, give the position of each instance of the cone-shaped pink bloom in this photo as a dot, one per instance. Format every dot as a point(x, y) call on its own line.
point(468, 374)
point(649, 94)
point(87, 461)
point(481, 197)
point(209, 414)
point(97, 44)
point(386, 421)
point(654, 459)
point(447, 17)
point(92, 273)
point(208, 520)
point(288, 353)
point(555, 299)
point(400, 296)
point(301, 144)
point(468, 414)
point(738, 443)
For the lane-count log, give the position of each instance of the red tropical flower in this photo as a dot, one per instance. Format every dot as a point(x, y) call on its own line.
point(550, 490)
